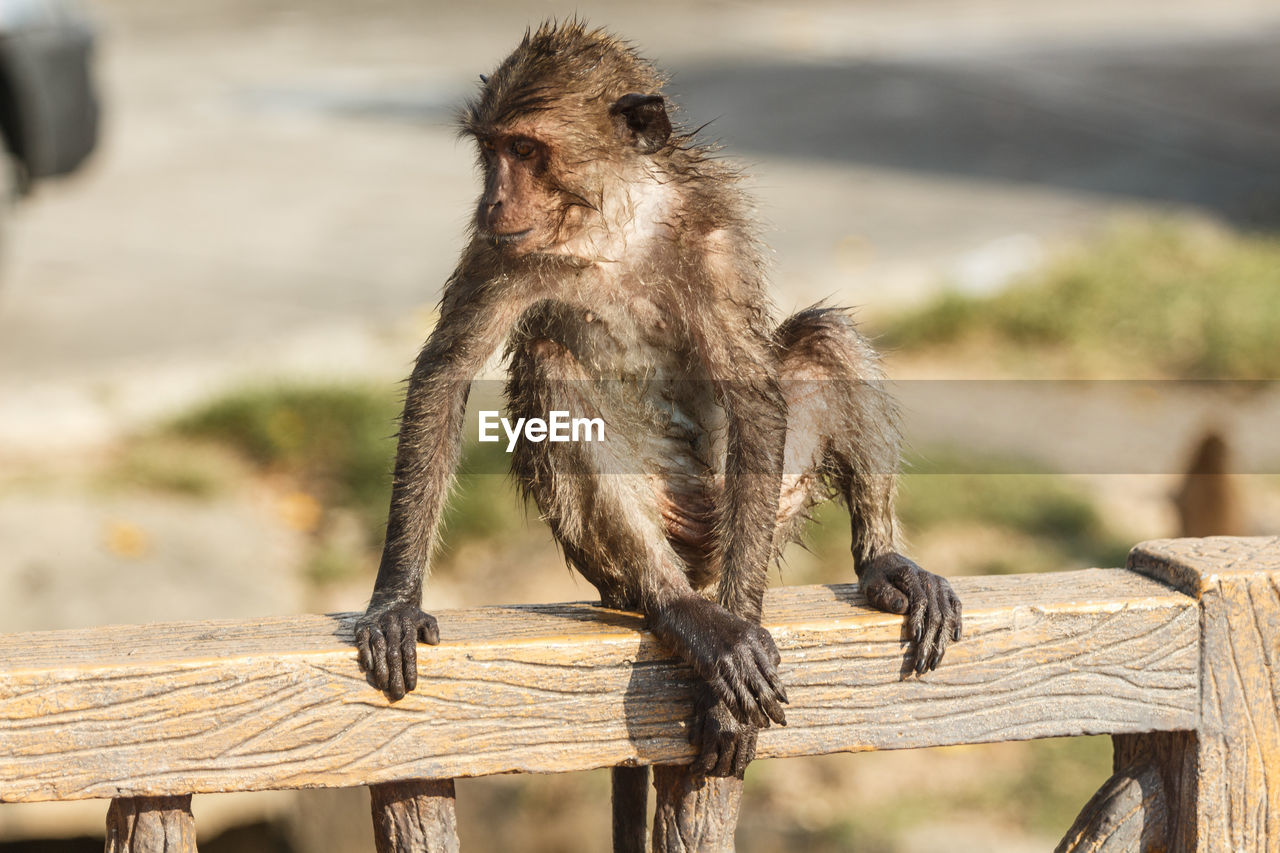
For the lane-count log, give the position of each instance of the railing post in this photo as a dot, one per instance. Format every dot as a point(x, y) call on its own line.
point(1218, 787)
point(694, 813)
point(151, 825)
point(415, 816)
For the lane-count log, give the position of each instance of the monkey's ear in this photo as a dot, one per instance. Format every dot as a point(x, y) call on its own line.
point(646, 120)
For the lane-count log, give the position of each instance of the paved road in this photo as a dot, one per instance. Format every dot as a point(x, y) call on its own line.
point(280, 190)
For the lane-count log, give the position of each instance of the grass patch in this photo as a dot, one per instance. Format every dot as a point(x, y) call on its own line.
point(336, 446)
point(1037, 504)
point(192, 469)
point(337, 443)
point(1163, 299)
point(1050, 521)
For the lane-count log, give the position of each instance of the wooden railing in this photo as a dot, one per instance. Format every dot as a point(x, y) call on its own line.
point(1177, 656)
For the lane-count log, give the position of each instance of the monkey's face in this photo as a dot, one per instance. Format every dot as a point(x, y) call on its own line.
point(562, 125)
point(520, 209)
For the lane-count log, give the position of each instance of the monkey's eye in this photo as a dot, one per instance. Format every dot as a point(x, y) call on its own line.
point(523, 148)
point(487, 144)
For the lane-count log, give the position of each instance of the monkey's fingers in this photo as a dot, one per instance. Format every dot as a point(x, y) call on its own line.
point(753, 688)
point(705, 762)
point(949, 630)
point(885, 596)
point(429, 630)
point(742, 702)
point(726, 759)
point(719, 756)
point(378, 652)
point(725, 695)
point(395, 662)
point(744, 754)
point(704, 735)
point(409, 657)
point(769, 666)
point(725, 747)
point(934, 637)
point(957, 613)
point(746, 691)
point(362, 649)
point(918, 603)
point(767, 694)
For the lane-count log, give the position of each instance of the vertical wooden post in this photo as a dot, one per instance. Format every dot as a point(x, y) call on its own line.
point(151, 825)
point(415, 816)
point(694, 813)
point(1219, 786)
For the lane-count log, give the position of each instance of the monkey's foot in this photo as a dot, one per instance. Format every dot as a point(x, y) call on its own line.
point(894, 584)
point(725, 746)
point(735, 657)
point(387, 640)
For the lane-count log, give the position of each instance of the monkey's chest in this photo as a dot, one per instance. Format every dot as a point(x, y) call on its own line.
point(638, 371)
point(629, 366)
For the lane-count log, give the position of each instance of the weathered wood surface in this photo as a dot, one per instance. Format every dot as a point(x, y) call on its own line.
point(151, 825)
point(281, 703)
point(416, 816)
point(1224, 778)
point(1129, 813)
point(694, 814)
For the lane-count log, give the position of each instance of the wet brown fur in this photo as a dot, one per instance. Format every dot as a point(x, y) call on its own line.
point(637, 294)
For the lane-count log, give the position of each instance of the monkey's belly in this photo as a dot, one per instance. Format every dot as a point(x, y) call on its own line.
point(627, 366)
point(685, 473)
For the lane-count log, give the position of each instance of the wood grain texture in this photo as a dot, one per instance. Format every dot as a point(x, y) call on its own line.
point(694, 814)
point(1171, 755)
point(415, 816)
point(151, 825)
point(1231, 767)
point(1129, 813)
point(281, 703)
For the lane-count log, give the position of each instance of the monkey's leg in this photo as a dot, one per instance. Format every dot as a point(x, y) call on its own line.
point(601, 504)
point(602, 511)
point(842, 434)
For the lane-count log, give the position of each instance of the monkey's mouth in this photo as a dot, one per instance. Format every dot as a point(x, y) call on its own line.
point(509, 239)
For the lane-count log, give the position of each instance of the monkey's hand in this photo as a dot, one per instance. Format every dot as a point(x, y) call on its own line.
point(895, 584)
point(725, 746)
point(387, 640)
point(735, 657)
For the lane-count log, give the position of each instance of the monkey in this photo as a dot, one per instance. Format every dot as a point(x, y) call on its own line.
point(614, 260)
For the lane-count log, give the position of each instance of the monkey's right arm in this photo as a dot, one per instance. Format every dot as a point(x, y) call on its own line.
point(474, 320)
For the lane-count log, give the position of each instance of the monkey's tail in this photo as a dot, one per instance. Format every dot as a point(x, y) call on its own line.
point(630, 809)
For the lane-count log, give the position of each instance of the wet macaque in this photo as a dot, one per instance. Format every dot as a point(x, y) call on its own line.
point(617, 262)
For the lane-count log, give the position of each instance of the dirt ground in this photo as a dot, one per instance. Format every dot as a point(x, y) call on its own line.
point(279, 194)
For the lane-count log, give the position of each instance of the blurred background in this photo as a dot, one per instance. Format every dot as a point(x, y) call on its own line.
point(209, 296)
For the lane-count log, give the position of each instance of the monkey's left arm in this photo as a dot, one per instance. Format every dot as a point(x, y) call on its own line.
point(742, 364)
point(757, 427)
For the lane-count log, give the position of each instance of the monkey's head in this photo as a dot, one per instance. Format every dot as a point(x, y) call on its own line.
point(568, 115)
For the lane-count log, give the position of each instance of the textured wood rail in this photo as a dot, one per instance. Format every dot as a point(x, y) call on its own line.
point(175, 709)
point(1216, 787)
